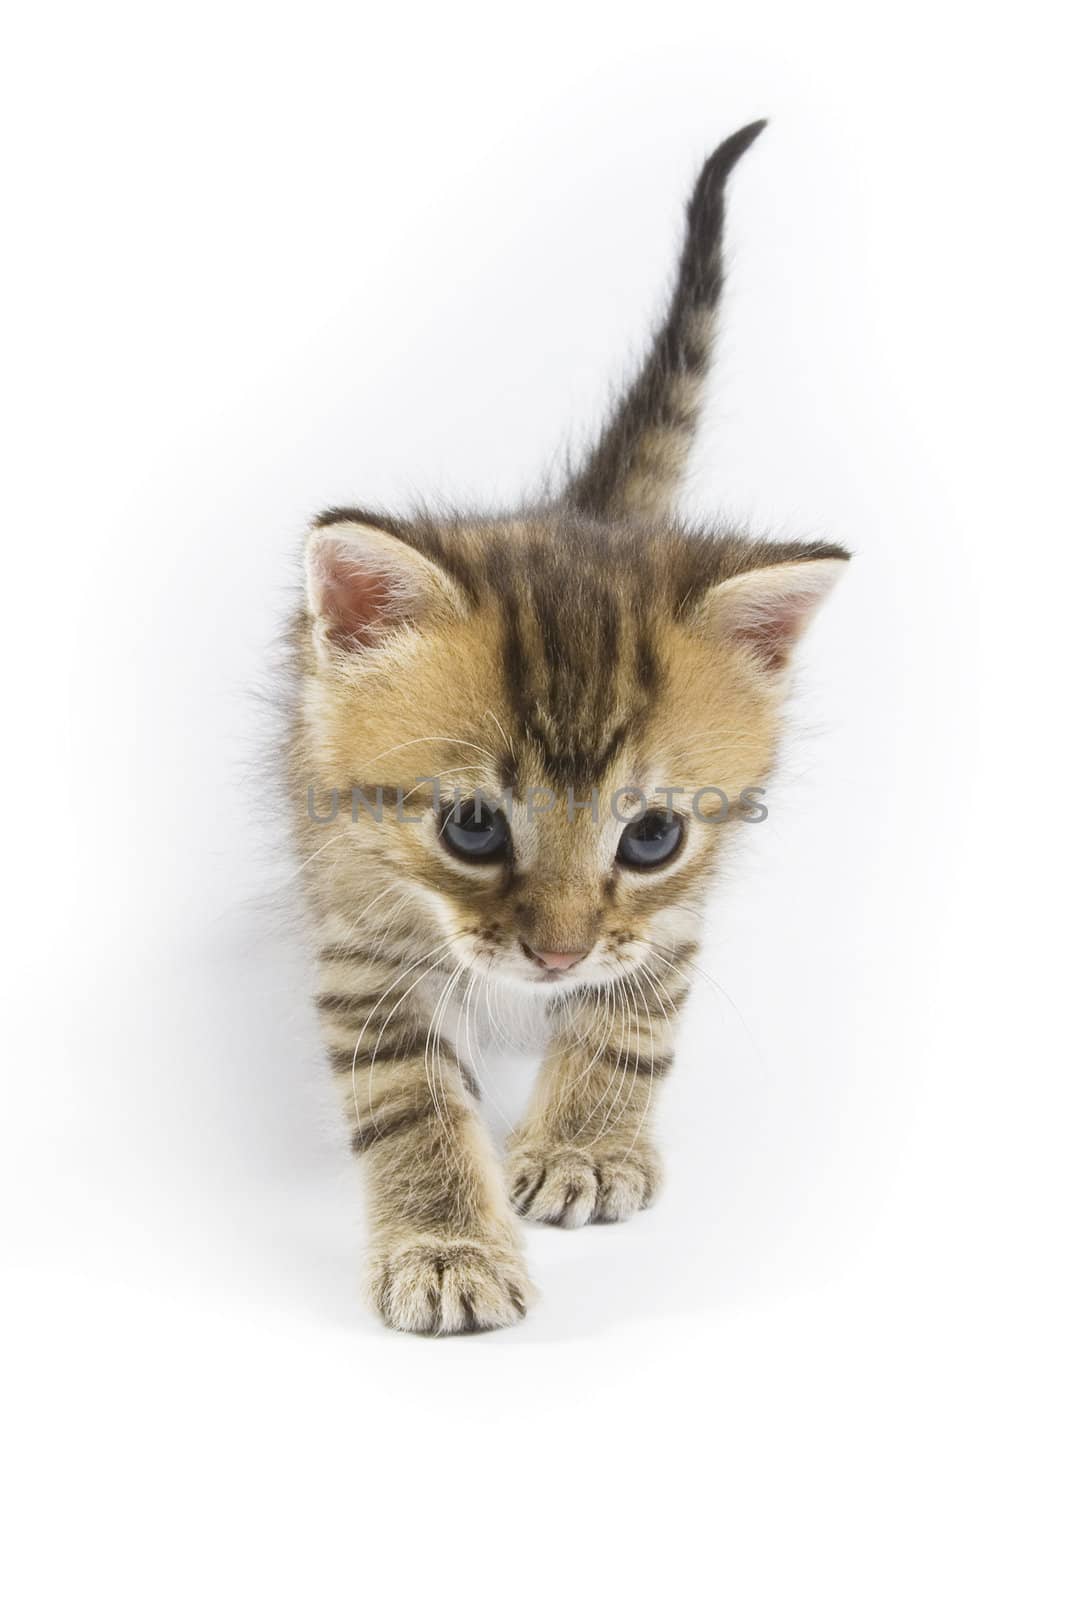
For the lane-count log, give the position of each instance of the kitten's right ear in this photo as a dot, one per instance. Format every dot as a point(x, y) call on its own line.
point(765, 610)
point(365, 584)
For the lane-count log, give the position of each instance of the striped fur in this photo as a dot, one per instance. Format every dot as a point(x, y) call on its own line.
point(580, 648)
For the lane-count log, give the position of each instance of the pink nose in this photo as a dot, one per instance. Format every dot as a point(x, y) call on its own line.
point(557, 960)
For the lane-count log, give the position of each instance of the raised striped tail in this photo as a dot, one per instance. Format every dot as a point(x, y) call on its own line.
point(636, 467)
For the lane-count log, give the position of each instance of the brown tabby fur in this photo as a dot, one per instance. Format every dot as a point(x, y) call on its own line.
point(587, 643)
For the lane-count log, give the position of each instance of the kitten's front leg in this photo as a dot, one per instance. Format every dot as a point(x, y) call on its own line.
point(584, 1152)
point(445, 1254)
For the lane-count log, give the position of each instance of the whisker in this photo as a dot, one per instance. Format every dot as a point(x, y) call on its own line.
point(444, 945)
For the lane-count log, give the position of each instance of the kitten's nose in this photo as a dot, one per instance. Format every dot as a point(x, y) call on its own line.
point(556, 960)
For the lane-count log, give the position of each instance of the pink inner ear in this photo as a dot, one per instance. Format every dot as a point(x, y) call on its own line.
point(357, 602)
point(767, 609)
point(772, 630)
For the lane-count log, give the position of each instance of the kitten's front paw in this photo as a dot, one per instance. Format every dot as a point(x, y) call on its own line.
point(426, 1284)
point(571, 1186)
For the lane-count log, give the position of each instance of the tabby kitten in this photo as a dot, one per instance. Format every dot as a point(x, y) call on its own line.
point(490, 710)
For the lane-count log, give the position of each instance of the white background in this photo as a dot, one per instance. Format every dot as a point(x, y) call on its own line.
point(263, 258)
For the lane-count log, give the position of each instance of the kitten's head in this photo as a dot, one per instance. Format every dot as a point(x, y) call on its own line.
point(554, 675)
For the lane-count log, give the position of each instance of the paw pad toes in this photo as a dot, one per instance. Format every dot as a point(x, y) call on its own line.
point(444, 1287)
point(566, 1186)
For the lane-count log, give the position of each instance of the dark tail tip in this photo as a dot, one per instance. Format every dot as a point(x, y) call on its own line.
point(725, 158)
point(706, 202)
point(720, 164)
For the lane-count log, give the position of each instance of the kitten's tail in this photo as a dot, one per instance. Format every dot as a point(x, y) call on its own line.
point(636, 467)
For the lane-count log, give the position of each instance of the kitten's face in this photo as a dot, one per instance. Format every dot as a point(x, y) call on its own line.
point(528, 713)
point(531, 883)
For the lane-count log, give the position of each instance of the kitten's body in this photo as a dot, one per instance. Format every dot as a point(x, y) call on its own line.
point(578, 650)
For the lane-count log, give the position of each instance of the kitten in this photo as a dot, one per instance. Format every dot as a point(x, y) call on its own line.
point(490, 710)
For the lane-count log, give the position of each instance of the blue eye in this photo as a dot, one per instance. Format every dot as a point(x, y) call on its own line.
point(651, 840)
point(476, 832)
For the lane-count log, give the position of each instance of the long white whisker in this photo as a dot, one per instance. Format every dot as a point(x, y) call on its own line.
point(446, 946)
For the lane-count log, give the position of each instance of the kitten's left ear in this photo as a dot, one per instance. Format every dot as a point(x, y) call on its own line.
point(766, 610)
point(366, 584)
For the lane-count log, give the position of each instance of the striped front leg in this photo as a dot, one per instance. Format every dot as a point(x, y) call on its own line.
point(584, 1152)
point(444, 1248)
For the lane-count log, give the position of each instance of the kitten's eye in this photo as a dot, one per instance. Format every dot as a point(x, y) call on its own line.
point(475, 832)
point(650, 841)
